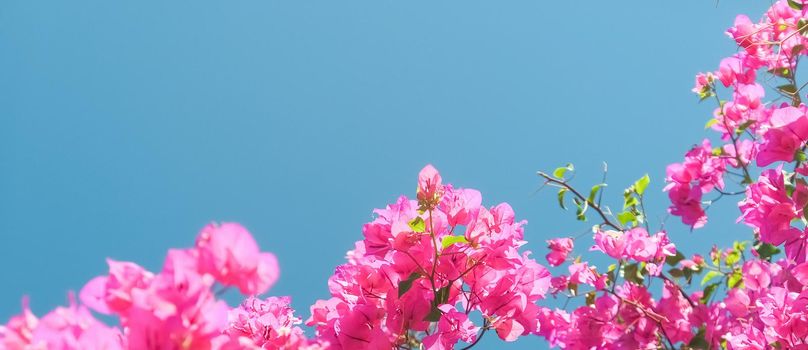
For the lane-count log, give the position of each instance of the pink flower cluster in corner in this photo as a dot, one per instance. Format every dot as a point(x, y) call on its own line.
point(433, 261)
point(176, 308)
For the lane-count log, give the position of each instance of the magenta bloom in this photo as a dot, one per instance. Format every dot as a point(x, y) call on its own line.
point(266, 324)
point(788, 131)
point(768, 208)
point(559, 248)
point(229, 253)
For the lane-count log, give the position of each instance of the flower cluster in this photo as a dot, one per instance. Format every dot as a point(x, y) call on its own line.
point(176, 308)
point(442, 269)
point(700, 173)
point(424, 265)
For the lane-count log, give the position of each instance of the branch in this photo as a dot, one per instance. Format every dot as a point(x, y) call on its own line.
point(595, 206)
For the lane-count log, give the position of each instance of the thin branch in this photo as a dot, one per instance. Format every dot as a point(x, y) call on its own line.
point(594, 206)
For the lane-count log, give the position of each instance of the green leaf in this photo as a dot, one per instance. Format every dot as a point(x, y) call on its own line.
point(631, 273)
point(781, 72)
point(641, 184)
point(733, 257)
point(788, 89)
point(709, 276)
point(580, 214)
point(735, 280)
point(630, 202)
point(594, 192)
point(802, 26)
point(708, 292)
point(626, 217)
point(561, 194)
point(560, 171)
point(797, 5)
point(418, 224)
point(699, 341)
point(745, 125)
point(673, 260)
point(688, 273)
point(441, 296)
point(449, 240)
point(800, 156)
point(766, 251)
point(405, 285)
point(710, 122)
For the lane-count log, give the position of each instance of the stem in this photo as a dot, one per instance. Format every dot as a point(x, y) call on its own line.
point(594, 206)
point(746, 177)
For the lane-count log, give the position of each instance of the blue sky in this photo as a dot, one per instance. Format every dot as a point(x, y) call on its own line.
point(127, 126)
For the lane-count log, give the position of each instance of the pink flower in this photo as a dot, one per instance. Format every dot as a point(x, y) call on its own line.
point(429, 185)
point(703, 82)
point(756, 275)
point(788, 131)
point(559, 248)
point(453, 326)
point(268, 324)
point(733, 70)
point(634, 244)
point(768, 208)
point(229, 253)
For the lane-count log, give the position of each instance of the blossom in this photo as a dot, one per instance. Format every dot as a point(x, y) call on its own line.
point(769, 209)
point(787, 133)
point(559, 248)
point(229, 253)
point(268, 323)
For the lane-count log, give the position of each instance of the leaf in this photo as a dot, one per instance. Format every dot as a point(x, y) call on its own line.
point(594, 192)
point(781, 72)
point(788, 89)
point(561, 194)
point(698, 341)
point(449, 240)
point(795, 4)
point(441, 296)
point(590, 298)
point(710, 123)
point(641, 184)
point(745, 125)
point(573, 288)
point(797, 49)
point(405, 285)
point(673, 260)
point(735, 280)
point(559, 172)
point(733, 257)
point(802, 26)
point(800, 156)
point(676, 273)
point(709, 276)
point(582, 206)
point(418, 224)
point(630, 202)
point(631, 273)
point(708, 292)
point(766, 251)
point(688, 275)
point(626, 217)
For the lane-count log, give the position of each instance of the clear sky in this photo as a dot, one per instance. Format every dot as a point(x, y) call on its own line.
point(127, 126)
